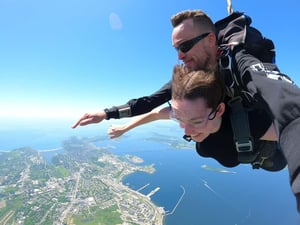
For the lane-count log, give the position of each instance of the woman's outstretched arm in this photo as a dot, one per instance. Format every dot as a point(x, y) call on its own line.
point(156, 114)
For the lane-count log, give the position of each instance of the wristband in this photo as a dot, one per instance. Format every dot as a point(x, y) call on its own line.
point(106, 112)
point(111, 113)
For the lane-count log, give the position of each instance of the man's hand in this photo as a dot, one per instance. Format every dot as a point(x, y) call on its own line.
point(89, 118)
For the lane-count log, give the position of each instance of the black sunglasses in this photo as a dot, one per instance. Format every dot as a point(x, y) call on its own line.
point(187, 45)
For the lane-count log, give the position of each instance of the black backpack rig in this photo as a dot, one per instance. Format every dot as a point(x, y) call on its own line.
point(235, 31)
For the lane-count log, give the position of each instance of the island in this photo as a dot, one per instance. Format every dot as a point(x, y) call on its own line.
point(216, 169)
point(81, 185)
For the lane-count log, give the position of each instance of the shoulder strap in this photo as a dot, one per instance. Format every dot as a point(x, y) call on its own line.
point(238, 116)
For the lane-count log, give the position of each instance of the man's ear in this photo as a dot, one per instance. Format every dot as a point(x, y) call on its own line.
point(212, 39)
point(221, 109)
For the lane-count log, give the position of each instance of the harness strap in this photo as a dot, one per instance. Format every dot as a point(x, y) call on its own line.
point(241, 131)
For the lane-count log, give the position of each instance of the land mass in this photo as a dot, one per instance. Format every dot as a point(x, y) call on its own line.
point(216, 169)
point(81, 185)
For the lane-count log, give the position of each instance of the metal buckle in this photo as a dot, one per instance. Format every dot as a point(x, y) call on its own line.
point(257, 164)
point(244, 147)
point(187, 137)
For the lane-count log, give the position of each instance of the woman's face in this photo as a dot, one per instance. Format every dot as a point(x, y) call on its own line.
point(197, 120)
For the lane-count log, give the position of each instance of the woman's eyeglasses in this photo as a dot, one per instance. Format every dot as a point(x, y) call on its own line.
point(211, 116)
point(187, 45)
point(196, 124)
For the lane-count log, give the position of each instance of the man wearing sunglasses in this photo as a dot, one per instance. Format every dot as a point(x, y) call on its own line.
point(194, 37)
point(197, 48)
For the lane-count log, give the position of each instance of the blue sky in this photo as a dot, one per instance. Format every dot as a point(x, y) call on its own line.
point(61, 58)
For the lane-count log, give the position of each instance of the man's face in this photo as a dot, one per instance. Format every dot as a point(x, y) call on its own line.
point(201, 52)
point(197, 120)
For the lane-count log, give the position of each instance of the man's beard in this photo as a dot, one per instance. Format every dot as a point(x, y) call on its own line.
point(206, 64)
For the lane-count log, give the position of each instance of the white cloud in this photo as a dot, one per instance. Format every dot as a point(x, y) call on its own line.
point(115, 21)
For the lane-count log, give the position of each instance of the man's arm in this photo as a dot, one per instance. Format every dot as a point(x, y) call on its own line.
point(133, 107)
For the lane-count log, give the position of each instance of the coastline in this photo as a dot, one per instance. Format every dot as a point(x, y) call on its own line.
point(159, 211)
point(158, 215)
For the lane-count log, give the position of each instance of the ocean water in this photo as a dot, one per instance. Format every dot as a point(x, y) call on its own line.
point(240, 196)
